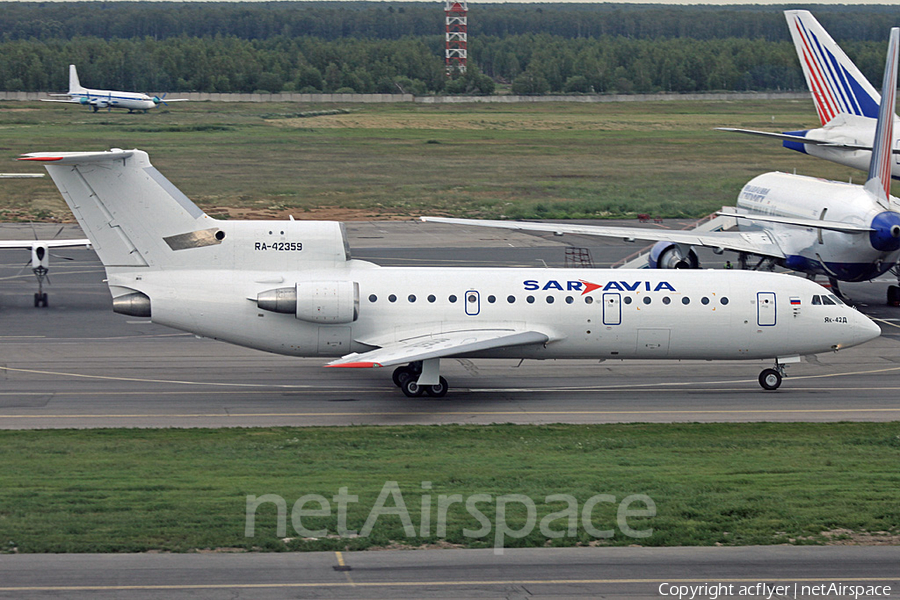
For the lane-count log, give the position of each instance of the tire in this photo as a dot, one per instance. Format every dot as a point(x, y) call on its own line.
point(893, 295)
point(44, 299)
point(770, 379)
point(412, 389)
point(37, 300)
point(439, 390)
point(400, 375)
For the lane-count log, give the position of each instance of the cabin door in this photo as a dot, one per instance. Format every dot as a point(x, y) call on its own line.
point(612, 309)
point(765, 309)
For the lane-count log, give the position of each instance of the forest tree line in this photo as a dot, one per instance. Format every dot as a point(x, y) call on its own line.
point(388, 48)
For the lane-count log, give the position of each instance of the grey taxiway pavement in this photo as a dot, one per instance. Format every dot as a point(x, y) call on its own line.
point(76, 364)
point(754, 572)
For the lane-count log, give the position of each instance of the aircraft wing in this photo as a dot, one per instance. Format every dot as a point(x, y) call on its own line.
point(47, 243)
point(63, 101)
point(751, 242)
point(802, 139)
point(797, 222)
point(440, 345)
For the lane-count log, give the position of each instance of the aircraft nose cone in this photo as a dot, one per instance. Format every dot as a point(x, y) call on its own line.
point(869, 329)
point(885, 234)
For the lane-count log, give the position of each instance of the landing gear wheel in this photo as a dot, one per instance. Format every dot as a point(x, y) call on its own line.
point(412, 389)
point(439, 390)
point(40, 300)
point(770, 379)
point(893, 295)
point(400, 375)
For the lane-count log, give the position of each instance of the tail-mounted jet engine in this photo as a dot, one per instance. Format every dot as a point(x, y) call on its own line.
point(328, 302)
point(669, 255)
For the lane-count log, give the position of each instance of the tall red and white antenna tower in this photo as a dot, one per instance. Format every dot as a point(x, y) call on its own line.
point(457, 35)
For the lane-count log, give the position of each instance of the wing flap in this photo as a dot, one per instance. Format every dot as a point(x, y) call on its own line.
point(439, 345)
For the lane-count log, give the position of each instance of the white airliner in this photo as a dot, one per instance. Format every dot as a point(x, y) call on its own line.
point(109, 99)
point(843, 231)
point(845, 101)
point(290, 287)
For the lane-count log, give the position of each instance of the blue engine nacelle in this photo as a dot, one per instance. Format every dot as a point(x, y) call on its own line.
point(669, 255)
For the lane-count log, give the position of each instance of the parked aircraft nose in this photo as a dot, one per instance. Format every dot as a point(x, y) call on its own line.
point(885, 235)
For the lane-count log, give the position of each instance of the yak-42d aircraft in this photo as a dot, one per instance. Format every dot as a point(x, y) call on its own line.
point(845, 101)
point(290, 287)
point(843, 231)
point(109, 99)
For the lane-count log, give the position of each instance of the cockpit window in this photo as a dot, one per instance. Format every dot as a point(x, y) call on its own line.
point(817, 300)
point(828, 300)
point(836, 299)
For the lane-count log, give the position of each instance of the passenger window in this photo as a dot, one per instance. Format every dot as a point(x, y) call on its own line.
point(412, 297)
point(373, 298)
point(492, 299)
point(704, 300)
point(511, 299)
point(549, 299)
point(685, 300)
point(452, 298)
point(530, 299)
point(724, 300)
point(392, 298)
point(666, 300)
point(431, 298)
point(646, 299)
point(627, 300)
point(817, 300)
point(569, 299)
point(588, 300)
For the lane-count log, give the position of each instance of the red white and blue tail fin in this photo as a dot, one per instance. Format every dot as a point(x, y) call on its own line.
point(837, 86)
point(879, 180)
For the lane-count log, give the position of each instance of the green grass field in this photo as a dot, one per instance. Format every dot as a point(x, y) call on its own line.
point(559, 160)
point(183, 490)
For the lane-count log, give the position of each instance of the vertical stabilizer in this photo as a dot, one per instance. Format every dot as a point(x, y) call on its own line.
point(74, 84)
point(133, 215)
point(837, 86)
point(879, 180)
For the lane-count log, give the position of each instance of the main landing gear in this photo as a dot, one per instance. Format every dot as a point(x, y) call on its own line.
point(893, 291)
point(421, 377)
point(770, 379)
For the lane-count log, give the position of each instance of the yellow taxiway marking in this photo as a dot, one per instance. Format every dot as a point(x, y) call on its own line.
point(388, 584)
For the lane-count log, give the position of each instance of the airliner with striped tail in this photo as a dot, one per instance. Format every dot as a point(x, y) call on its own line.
point(845, 101)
